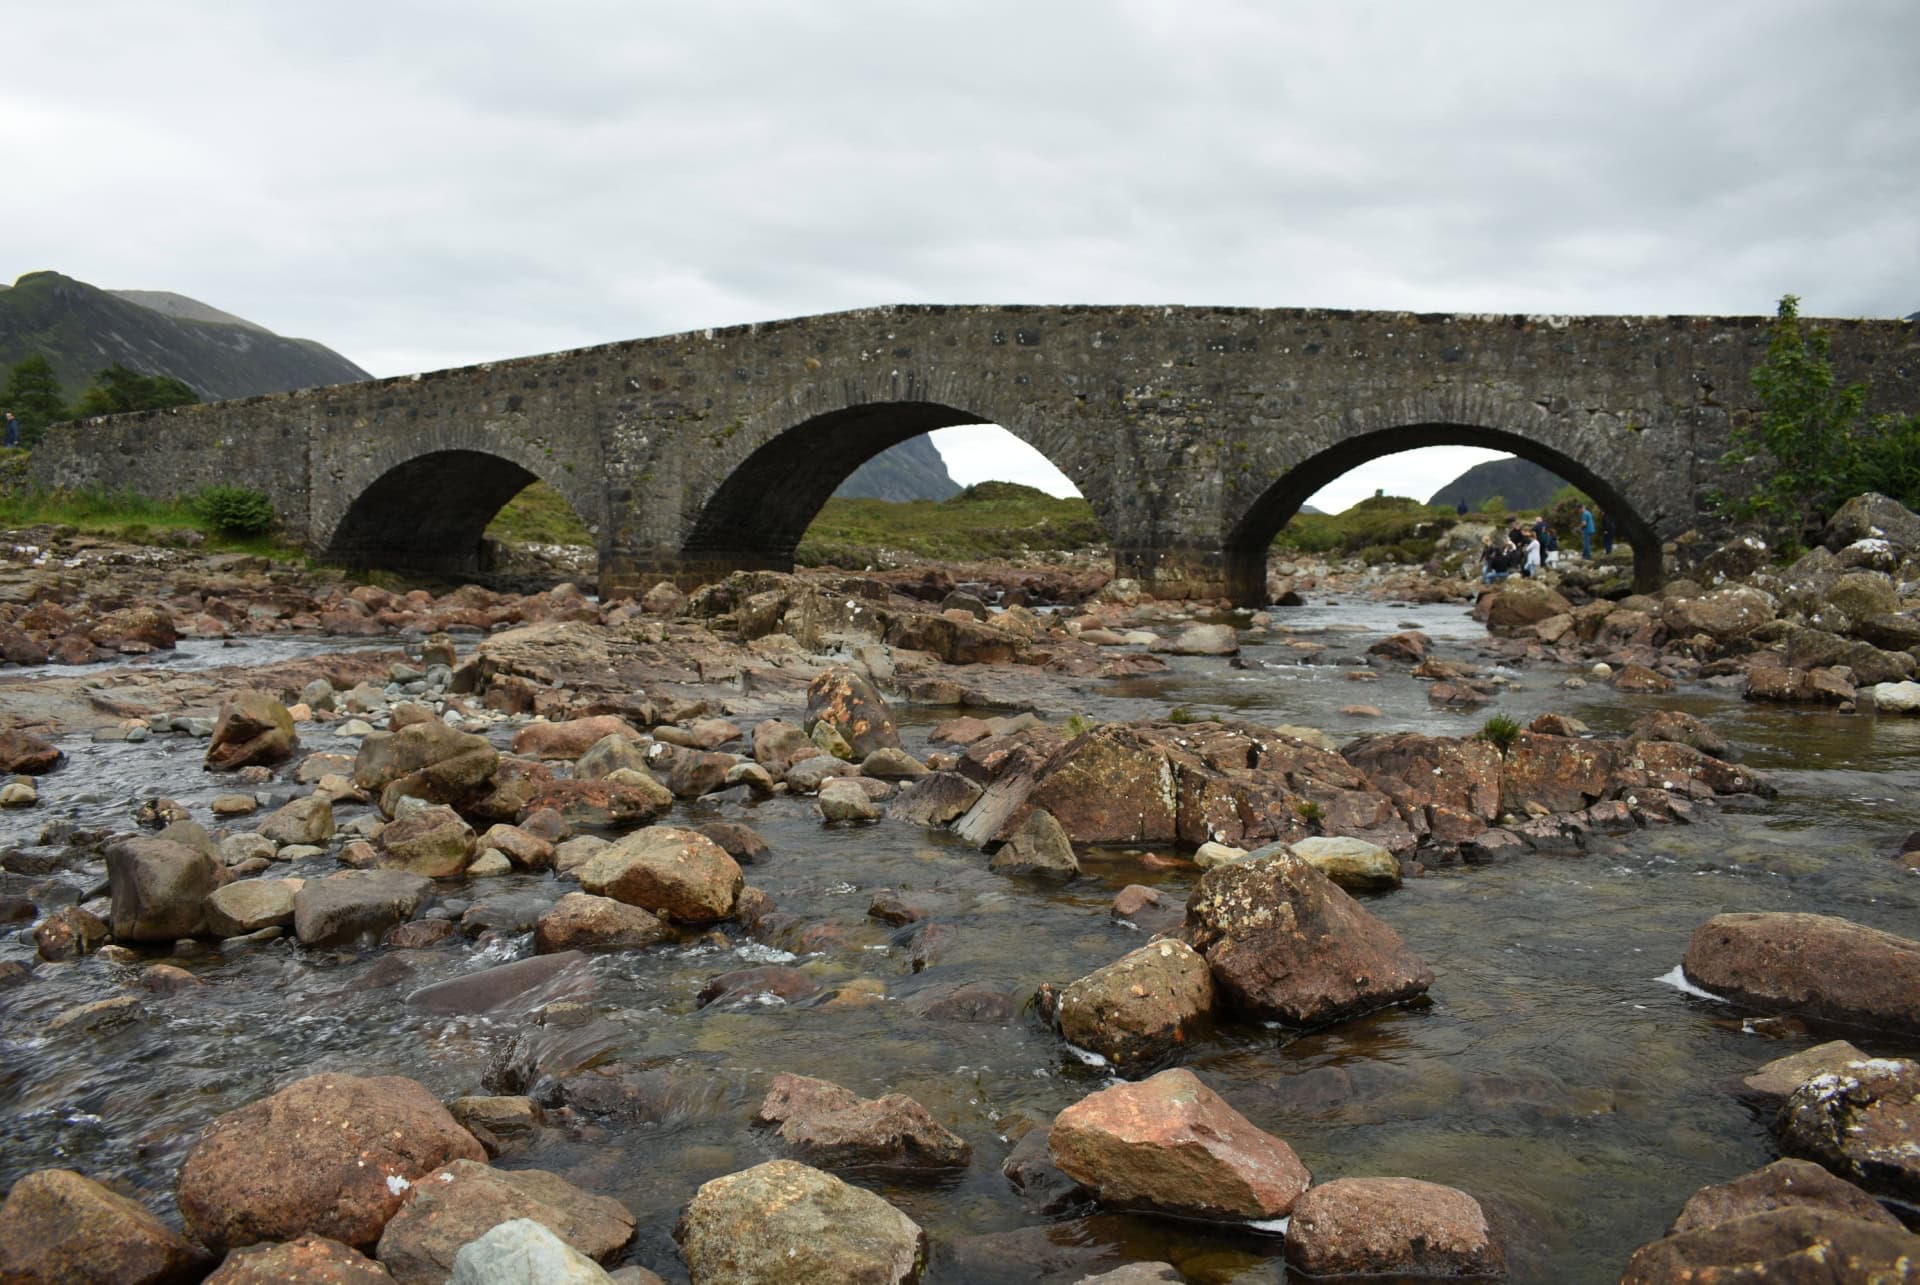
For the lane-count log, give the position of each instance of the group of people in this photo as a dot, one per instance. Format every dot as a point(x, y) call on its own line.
point(1524, 550)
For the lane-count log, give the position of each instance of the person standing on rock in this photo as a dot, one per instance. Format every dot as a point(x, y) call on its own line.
point(1531, 566)
point(13, 429)
point(1586, 532)
point(1607, 531)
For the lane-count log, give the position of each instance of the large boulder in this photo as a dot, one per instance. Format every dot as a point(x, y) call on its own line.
point(1817, 965)
point(428, 761)
point(1420, 772)
point(826, 1125)
point(1863, 595)
point(1171, 1145)
point(1723, 615)
point(332, 1154)
point(248, 905)
point(253, 728)
point(306, 820)
point(431, 841)
point(850, 705)
point(1521, 603)
point(354, 904)
point(788, 1222)
point(1784, 1184)
point(1872, 516)
point(1396, 1226)
point(57, 1227)
point(309, 1260)
point(1557, 773)
point(1862, 1122)
point(569, 739)
point(1284, 942)
point(1141, 1007)
point(1785, 1245)
point(678, 874)
point(159, 888)
point(1039, 848)
point(26, 753)
point(462, 1201)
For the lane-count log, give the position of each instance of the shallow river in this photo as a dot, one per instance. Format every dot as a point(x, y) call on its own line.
point(1554, 1073)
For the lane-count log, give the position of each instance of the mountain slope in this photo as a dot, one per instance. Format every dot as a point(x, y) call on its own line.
point(1521, 483)
point(83, 329)
point(912, 470)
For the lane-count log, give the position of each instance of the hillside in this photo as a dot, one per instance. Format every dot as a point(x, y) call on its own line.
point(912, 470)
point(1521, 483)
point(83, 329)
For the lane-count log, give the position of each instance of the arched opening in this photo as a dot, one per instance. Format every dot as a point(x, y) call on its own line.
point(1248, 543)
point(761, 512)
point(430, 514)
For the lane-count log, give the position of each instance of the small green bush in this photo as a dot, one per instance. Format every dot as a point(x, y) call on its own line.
point(1500, 731)
point(1181, 714)
point(234, 510)
point(1309, 811)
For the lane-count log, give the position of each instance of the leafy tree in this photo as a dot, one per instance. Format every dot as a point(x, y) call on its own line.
point(117, 390)
point(1809, 443)
point(32, 392)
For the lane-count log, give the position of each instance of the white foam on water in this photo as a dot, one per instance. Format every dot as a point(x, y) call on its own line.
point(1677, 978)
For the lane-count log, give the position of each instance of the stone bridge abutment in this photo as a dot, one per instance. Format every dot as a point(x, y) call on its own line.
point(1195, 433)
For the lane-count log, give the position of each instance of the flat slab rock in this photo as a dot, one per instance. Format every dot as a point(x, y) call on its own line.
point(1784, 1184)
point(1371, 1226)
point(1817, 965)
point(834, 1127)
point(1795, 1244)
point(1172, 1145)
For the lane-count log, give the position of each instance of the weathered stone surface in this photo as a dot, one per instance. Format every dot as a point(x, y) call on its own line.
point(1201, 640)
point(1785, 684)
point(1418, 772)
point(248, 905)
point(428, 761)
point(1521, 603)
point(69, 933)
point(679, 874)
point(787, 1222)
point(1862, 1122)
point(1863, 595)
point(1557, 773)
point(341, 909)
point(832, 1127)
point(1411, 646)
point(253, 728)
point(1784, 1184)
point(431, 841)
point(1141, 1007)
point(522, 1252)
point(741, 842)
point(1819, 965)
point(1786, 1245)
point(1897, 698)
point(307, 820)
point(1038, 847)
point(527, 851)
point(849, 704)
point(518, 984)
point(581, 921)
point(1723, 615)
point(159, 888)
point(569, 739)
point(608, 755)
point(1354, 864)
point(619, 801)
point(1380, 1226)
point(1172, 1145)
point(1284, 942)
point(1776, 1081)
point(463, 1200)
point(27, 754)
point(935, 799)
point(844, 799)
point(332, 1154)
point(59, 1228)
point(308, 1260)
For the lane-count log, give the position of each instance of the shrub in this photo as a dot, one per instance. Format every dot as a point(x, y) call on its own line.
point(1500, 731)
point(234, 510)
point(1309, 811)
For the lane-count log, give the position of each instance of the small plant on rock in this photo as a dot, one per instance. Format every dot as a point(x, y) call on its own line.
point(1500, 731)
point(234, 510)
point(1309, 811)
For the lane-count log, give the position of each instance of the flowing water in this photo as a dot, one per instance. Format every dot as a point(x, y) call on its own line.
point(1555, 1072)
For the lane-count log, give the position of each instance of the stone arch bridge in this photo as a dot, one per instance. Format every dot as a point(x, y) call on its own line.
point(1194, 432)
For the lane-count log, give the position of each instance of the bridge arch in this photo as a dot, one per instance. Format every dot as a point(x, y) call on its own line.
point(1248, 541)
point(756, 513)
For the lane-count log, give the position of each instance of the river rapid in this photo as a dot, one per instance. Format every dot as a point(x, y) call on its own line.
point(1556, 1071)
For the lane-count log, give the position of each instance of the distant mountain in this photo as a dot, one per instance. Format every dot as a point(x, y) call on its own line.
point(83, 329)
point(1521, 483)
point(912, 470)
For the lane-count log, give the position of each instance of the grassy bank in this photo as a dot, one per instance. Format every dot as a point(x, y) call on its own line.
point(136, 519)
point(989, 520)
point(539, 516)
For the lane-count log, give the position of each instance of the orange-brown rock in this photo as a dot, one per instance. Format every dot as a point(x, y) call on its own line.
point(1818, 965)
point(1139, 1008)
point(679, 874)
point(465, 1199)
point(309, 1260)
point(58, 1227)
point(832, 1127)
point(1391, 1226)
point(1558, 773)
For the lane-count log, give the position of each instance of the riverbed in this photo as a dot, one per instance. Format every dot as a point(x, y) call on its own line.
point(1556, 1070)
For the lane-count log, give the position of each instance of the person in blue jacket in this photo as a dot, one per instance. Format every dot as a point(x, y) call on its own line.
point(1586, 532)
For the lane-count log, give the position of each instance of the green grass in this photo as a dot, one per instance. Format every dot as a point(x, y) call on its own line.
point(126, 516)
point(539, 516)
point(987, 520)
point(1385, 528)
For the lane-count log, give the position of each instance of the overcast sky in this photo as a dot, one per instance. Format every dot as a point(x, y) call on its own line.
point(421, 185)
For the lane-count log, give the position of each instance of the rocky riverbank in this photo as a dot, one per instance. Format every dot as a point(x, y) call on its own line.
point(483, 833)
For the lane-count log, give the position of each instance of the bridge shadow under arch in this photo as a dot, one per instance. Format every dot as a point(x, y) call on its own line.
point(1248, 543)
point(758, 514)
point(430, 513)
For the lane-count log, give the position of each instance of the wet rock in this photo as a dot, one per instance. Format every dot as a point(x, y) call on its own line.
point(1672, 766)
point(740, 841)
point(1773, 1083)
point(831, 1127)
point(1171, 1145)
point(790, 985)
point(1557, 774)
point(843, 799)
point(1520, 604)
point(519, 983)
point(1861, 1122)
point(1148, 909)
point(569, 739)
point(692, 773)
point(935, 799)
point(1284, 942)
point(1783, 683)
point(1787, 1245)
point(1817, 965)
point(678, 874)
point(1140, 1008)
point(428, 761)
point(463, 1200)
point(159, 888)
point(420, 934)
point(1872, 516)
point(308, 820)
point(1784, 1184)
point(569, 856)
point(1896, 698)
point(785, 1221)
point(341, 909)
point(253, 728)
point(778, 745)
point(168, 979)
point(1418, 772)
point(853, 708)
point(1818, 649)
point(1411, 647)
point(26, 753)
point(1037, 848)
point(1639, 678)
point(525, 850)
point(581, 921)
point(522, 1252)
point(101, 1015)
point(1354, 864)
point(248, 905)
point(68, 933)
point(957, 642)
point(1137, 1274)
point(971, 1002)
point(309, 1260)
point(1376, 1226)
point(1680, 728)
point(58, 1227)
point(1201, 640)
point(431, 841)
point(608, 755)
point(332, 1154)
point(1863, 595)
